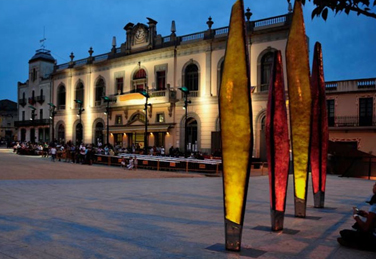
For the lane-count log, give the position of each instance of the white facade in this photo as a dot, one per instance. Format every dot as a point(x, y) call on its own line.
point(174, 57)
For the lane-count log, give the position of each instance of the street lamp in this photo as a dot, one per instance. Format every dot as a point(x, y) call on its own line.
point(80, 110)
point(32, 131)
point(52, 116)
point(147, 96)
point(107, 100)
point(185, 91)
point(32, 112)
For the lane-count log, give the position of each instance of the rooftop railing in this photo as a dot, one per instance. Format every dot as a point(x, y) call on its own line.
point(351, 85)
point(167, 41)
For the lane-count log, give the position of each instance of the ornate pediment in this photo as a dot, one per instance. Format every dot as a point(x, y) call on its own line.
point(140, 35)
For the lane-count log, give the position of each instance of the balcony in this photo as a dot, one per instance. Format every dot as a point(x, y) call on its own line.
point(22, 102)
point(133, 97)
point(351, 121)
point(28, 123)
point(40, 99)
point(32, 101)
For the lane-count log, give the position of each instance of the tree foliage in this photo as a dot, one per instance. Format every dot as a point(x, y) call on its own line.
point(363, 7)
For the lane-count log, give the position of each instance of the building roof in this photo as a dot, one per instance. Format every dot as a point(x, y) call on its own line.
point(7, 105)
point(42, 54)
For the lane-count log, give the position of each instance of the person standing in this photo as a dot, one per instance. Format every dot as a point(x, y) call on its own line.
point(135, 163)
point(53, 153)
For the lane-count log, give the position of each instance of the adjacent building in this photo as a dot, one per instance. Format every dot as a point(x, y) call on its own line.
point(33, 97)
point(8, 114)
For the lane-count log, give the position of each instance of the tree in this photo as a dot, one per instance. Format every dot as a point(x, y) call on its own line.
point(359, 6)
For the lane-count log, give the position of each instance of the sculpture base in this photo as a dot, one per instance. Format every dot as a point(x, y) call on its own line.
point(233, 234)
point(277, 218)
point(300, 208)
point(319, 199)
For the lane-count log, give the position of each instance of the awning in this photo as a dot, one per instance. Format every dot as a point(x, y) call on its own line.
point(139, 128)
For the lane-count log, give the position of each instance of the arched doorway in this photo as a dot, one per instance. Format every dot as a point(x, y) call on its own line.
point(79, 133)
point(32, 135)
point(192, 135)
point(61, 133)
point(98, 133)
point(23, 135)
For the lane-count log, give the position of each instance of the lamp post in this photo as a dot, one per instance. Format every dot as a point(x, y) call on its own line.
point(80, 110)
point(147, 96)
point(107, 100)
point(185, 91)
point(52, 116)
point(32, 123)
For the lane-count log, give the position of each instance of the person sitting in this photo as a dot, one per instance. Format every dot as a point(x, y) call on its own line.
point(364, 237)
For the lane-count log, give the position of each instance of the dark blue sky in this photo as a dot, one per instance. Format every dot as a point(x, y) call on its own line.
point(348, 41)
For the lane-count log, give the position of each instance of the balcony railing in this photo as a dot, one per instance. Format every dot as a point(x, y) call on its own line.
point(40, 99)
point(352, 121)
point(61, 107)
point(27, 123)
point(276, 21)
point(351, 85)
point(32, 101)
point(366, 84)
point(22, 102)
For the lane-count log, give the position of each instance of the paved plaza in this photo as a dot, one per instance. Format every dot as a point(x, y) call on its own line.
point(63, 210)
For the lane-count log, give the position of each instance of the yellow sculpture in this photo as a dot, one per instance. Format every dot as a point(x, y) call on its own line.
point(298, 76)
point(236, 126)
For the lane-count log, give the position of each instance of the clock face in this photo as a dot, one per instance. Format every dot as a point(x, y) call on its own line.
point(140, 34)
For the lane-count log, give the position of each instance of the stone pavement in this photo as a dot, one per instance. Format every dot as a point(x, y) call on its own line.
point(153, 217)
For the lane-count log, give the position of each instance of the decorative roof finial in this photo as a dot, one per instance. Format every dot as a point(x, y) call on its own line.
point(71, 56)
point(289, 6)
point(209, 22)
point(173, 27)
point(91, 51)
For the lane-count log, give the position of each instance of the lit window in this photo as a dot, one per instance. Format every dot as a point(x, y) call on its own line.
point(160, 117)
point(119, 120)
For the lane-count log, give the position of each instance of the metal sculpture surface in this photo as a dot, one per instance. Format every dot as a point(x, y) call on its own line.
point(319, 131)
point(277, 144)
point(236, 127)
point(298, 76)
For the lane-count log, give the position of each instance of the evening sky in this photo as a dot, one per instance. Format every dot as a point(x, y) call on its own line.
point(348, 41)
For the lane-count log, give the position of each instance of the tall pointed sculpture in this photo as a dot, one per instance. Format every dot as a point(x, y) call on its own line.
point(277, 144)
point(320, 134)
point(300, 106)
point(236, 127)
